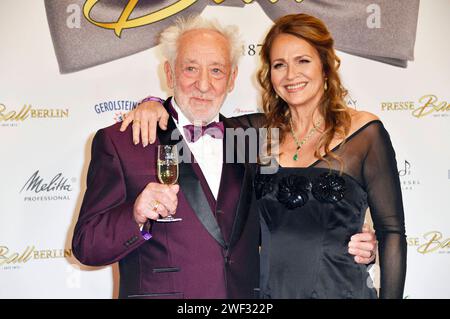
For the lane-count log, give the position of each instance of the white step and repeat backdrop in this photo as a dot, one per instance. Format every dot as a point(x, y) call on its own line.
point(62, 77)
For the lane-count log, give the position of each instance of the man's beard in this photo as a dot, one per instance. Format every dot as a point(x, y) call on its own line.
point(190, 115)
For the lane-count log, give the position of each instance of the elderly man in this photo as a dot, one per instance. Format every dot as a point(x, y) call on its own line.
point(213, 251)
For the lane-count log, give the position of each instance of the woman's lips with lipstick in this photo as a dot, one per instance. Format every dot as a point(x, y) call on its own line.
point(292, 88)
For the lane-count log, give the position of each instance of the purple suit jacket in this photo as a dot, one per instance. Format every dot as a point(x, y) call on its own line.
point(211, 253)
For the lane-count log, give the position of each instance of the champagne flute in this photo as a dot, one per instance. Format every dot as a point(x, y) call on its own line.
point(167, 168)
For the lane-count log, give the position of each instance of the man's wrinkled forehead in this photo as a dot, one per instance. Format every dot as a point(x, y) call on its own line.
point(202, 45)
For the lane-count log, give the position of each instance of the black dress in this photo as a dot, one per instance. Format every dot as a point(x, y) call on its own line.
point(309, 214)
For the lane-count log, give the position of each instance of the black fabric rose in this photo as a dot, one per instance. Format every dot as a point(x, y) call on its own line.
point(329, 188)
point(263, 185)
point(293, 191)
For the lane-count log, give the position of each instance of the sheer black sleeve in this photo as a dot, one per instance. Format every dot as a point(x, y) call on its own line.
point(381, 179)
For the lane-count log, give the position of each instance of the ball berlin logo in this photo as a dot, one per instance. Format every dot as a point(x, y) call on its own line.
point(12, 118)
point(10, 260)
point(57, 188)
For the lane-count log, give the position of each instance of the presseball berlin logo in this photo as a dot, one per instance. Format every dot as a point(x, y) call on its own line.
point(127, 22)
point(11, 259)
point(428, 105)
point(38, 188)
point(431, 242)
point(14, 117)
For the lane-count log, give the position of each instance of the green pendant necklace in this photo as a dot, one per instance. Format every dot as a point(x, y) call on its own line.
point(305, 139)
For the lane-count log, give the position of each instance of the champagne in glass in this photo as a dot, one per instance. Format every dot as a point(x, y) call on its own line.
point(167, 172)
point(167, 169)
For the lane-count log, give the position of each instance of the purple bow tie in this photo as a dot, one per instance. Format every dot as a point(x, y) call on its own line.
point(193, 133)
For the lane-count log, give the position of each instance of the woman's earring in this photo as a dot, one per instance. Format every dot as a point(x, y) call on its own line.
point(325, 86)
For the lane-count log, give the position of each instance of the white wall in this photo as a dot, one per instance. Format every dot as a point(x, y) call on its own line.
point(42, 223)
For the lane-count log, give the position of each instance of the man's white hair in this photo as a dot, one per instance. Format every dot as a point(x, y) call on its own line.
point(169, 37)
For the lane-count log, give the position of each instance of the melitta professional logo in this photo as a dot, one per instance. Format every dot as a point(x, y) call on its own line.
point(118, 107)
point(38, 188)
point(431, 242)
point(407, 180)
point(427, 106)
point(14, 117)
point(10, 259)
point(125, 22)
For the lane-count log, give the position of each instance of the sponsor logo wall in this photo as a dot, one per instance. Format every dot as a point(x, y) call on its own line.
point(54, 98)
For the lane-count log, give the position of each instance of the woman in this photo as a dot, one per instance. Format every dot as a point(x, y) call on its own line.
point(335, 162)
